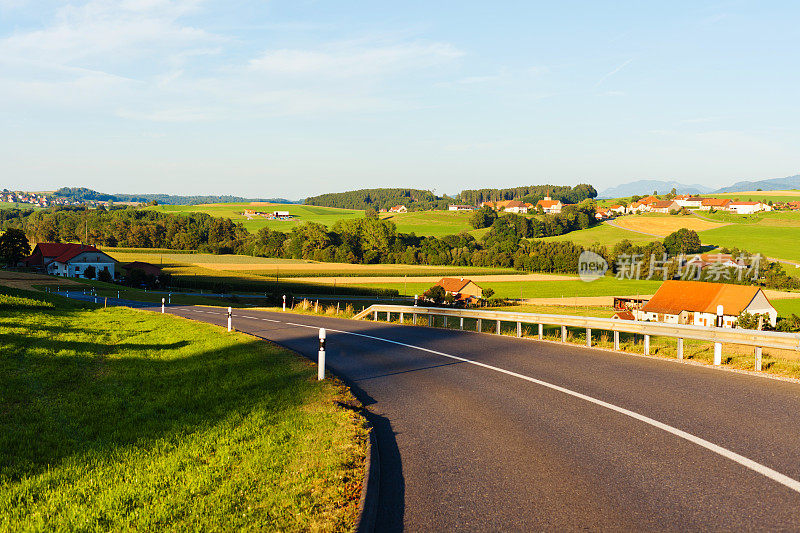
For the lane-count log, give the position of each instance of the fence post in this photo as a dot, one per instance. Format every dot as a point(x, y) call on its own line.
point(758, 359)
point(680, 348)
point(461, 323)
point(616, 341)
point(497, 328)
point(321, 356)
point(162, 305)
point(563, 333)
point(588, 337)
point(479, 326)
point(375, 316)
point(414, 318)
point(284, 303)
point(230, 314)
point(401, 317)
point(388, 316)
point(541, 331)
point(647, 344)
point(519, 329)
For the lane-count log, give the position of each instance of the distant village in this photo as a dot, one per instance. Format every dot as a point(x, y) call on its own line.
point(36, 199)
point(676, 204)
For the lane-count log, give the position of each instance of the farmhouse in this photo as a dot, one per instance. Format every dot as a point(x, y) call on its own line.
point(462, 289)
point(664, 206)
point(695, 302)
point(714, 203)
point(618, 209)
point(280, 215)
point(515, 206)
point(70, 260)
point(398, 209)
point(637, 207)
point(550, 206)
point(456, 207)
point(748, 208)
point(704, 260)
point(647, 200)
point(689, 202)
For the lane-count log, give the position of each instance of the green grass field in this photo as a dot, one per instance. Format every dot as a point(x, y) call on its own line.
point(302, 213)
point(607, 286)
point(602, 234)
point(9, 205)
point(113, 419)
point(431, 223)
point(761, 196)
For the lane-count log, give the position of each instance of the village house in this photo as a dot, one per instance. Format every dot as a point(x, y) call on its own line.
point(550, 206)
point(461, 289)
point(456, 207)
point(664, 206)
point(398, 209)
point(638, 207)
point(748, 208)
point(689, 202)
point(603, 214)
point(714, 203)
point(702, 261)
point(69, 260)
point(618, 209)
point(515, 206)
point(695, 303)
point(280, 215)
point(647, 200)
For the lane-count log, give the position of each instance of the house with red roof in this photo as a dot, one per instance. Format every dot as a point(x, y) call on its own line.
point(714, 203)
point(69, 259)
point(550, 206)
point(696, 302)
point(462, 289)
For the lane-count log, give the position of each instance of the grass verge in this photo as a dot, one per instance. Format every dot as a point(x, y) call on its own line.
point(116, 419)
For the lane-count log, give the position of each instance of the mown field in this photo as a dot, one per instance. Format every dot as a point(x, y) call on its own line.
point(607, 286)
point(603, 235)
point(761, 196)
point(431, 223)
point(302, 213)
point(113, 419)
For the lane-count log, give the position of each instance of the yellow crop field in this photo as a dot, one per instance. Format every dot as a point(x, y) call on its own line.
point(665, 224)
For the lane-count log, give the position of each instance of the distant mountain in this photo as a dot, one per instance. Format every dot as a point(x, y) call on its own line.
point(82, 194)
point(644, 187)
point(773, 184)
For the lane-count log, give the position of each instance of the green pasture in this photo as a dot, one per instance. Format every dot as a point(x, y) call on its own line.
point(431, 223)
point(781, 242)
point(604, 235)
point(114, 419)
point(761, 196)
point(302, 213)
point(17, 205)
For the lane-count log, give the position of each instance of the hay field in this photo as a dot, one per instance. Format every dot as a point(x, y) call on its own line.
point(431, 223)
point(663, 225)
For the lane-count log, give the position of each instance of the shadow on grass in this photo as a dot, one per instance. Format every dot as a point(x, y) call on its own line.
point(54, 407)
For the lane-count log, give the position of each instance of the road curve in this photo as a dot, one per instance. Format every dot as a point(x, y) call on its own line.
point(484, 432)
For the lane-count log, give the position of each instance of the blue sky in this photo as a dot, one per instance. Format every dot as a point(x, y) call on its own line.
point(290, 99)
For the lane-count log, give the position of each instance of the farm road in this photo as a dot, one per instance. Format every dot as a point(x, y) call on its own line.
point(485, 432)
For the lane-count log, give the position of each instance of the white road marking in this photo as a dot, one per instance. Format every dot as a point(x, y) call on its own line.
point(766, 471)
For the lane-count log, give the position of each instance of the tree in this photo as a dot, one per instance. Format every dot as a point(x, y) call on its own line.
point(14, 246)
point(487, 293)
point(435, 293)
point(483, 217)
point(104, 275)
point(89, 272)
point(683, 241)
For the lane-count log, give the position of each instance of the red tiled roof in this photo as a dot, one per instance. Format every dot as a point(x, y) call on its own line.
point(675, 296)
point(548, 203)
point(624, 315)
point(61, 251)
point(648, 200)
point(453, 284)
point(716, 202)
point(744, 203)
point(661, 204)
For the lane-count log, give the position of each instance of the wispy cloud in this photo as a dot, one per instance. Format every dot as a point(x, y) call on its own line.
point(613, 72)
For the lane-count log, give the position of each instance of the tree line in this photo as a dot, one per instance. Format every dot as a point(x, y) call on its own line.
point(530, 194)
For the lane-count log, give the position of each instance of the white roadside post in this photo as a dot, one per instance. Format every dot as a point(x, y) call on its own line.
point(117, 295)
point(415, 300)
point(169, 298)
point(541, 331)
point(162, 305)
point(589, 337)
point(680, 348)
point(718, 345)
point(616, 341)
point(461, 323)
point(321, 355)
point(497, 328)
point(519, 329)
point(647, 344)
point(563, 333)
point(230, 314)
point(757, 365)
point(284, 303)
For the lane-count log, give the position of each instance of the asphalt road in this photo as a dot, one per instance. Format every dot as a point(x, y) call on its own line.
point(482, 432)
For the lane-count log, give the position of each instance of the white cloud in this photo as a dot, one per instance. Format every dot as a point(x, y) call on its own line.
point(342, 60)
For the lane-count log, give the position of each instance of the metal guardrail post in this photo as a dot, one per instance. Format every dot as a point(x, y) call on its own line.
point(401, 318)
point(717, 353)
point(757, 365)
point(563, 333)
point(461, 323)
point(680, 348)
point(479, 326)
point(414, 318)
point(388, 316)
point(588, 337)
point(541, 331)
point(647, 344)
point(519, 329)
point(497, 328)
point(375, 316)
point(616, 341)
point(444, 321)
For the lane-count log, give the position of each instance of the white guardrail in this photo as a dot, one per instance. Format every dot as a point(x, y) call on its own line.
point(719, 336)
